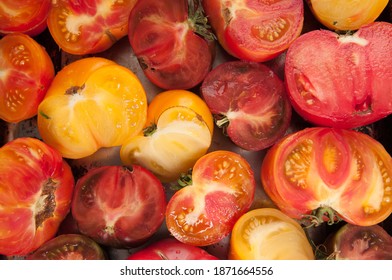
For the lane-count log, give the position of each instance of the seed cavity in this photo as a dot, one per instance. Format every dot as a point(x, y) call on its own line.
point(270, 30)
point(298, 162)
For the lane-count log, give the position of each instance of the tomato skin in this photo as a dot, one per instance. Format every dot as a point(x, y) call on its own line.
point(341, 81)
point(163, 36)
point(171, 249)
point(128, 205)
point(221, 190)
point(318, 168)
point(246, 30)
point(27, 71)
point(24, 16)
point(36, 187)
point(88, 27)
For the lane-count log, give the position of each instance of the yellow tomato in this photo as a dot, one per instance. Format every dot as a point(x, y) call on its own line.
point(179, 132)
point(269, 234)
point(92, 103)
point(346, 14)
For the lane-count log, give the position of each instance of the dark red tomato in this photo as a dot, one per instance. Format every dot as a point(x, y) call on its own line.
point(127, 205)
point(69, 247)
point(24, 16)
point(171, 41)
point(171, 249)
point(249, 101)
point(341, 80)
point(255, 30)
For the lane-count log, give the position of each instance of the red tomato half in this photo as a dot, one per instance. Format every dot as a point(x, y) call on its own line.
point(24, 16)
point(88, 26)
point(329, 174)
point(171, 41)
point(36, 187)
point(255, 30)
point(341, 81)
point(249, 101)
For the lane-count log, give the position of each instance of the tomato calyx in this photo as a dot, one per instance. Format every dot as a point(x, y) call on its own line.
point(198, 21)
point(184, 180)
point(323, 214)
point(150, 130)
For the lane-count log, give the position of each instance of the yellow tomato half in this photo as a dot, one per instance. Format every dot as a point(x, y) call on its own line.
point(346, 14)
point(269, 234)
point(92, 103)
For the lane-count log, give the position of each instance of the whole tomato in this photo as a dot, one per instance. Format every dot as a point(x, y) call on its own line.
point(36, 187)
point(322, 174)
point(87, 27)
point(172, 42)
point(92, 103)
point(26, 73)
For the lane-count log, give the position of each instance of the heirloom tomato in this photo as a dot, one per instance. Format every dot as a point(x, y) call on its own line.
point(172, 42)
point(269, 234)
point(249, 101)
point(346, 14)
point(69, 247)
point(178, 131)
point(36, 187)
point(255, 30)
point(220, 190)
point(341, 80)
point(24, 16)
point(127, 205)
point(328, 174)
point(26, 72)
point(92, 103)
point(171, 249)
point(87, 27)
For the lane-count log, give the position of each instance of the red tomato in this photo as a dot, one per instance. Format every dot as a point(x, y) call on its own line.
point(171, 41)
point(221, 190)
point(249, 102)
point(255, 30)
point(171, 249)
point(24, 16)
point(89, 26)
point(36, 187)
point(128, 205)
point(341, 81)
point(26, 72)
point(329, 174)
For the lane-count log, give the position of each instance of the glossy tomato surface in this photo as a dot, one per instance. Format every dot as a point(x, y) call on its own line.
point(172, 42)
point(255, 30)
point(88, 27)
point(249, 102)
point(92, 103)
point(341, 80)
point(26, 71)
point(343, 174)
point(24, 16)
point(128, 205)
point(171, 249)
point(36, 187)
point(221, 189)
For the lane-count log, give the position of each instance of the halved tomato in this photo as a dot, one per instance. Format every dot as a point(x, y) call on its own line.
point(221, 189)
point(255, 30)
point(86, 27)
point(269, 234)
point(326, 174)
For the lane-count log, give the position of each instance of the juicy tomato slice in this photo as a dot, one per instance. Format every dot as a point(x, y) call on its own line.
point(24, 16)
point(255, 30)
point(341, 81)
point(269, 234)
point(222, 189)
point(163, 36)
point(86, 27)
point(319, 168)
point(36, 187)
point(26, 72)
point(249, 101)
point(346, 14)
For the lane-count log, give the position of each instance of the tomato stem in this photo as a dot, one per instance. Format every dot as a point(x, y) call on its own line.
point(198, 21)
point(222, 122)
point(184, 180)
point(150, 130)
point(321, 215)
